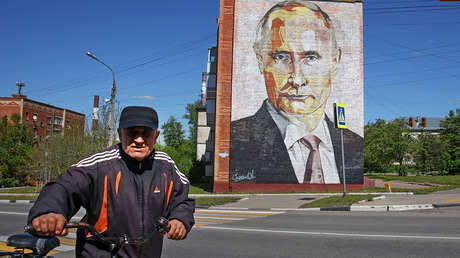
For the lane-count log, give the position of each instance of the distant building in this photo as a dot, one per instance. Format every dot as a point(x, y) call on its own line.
point(207, 113)
point(418, 124)
point(45, 120)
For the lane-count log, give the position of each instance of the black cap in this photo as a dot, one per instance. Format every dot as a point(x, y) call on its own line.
point(138, 116)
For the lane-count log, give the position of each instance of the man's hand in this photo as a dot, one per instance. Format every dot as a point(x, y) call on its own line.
point(50, 224)
point(177, 229)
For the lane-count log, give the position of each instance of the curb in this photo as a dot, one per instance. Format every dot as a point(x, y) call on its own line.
point(296, 194)
point(377, 208)
point(17, 201)
point(442, 205)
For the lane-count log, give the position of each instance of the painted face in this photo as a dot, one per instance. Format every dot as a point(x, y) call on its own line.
point(138, 141)
point(299, 64)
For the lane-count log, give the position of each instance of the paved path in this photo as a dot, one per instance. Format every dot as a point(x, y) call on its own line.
point(293, 201)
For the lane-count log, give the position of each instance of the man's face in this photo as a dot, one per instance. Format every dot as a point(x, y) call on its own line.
point(138, 141)
point(300, 63)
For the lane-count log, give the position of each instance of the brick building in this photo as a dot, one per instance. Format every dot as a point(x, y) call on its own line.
point(237, 163)
point(45, 120)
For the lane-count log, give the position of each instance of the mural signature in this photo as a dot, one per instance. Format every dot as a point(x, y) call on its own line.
point(249, 176)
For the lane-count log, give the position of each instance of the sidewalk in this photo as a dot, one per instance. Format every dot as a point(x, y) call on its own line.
point(383, 201)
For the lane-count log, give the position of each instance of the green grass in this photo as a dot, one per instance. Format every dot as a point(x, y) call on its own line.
point(440, 180)
point(26, 189)
point(213, 201)
point(197, 190)
point(335, 201)
point(17, 197)
point(444, 182)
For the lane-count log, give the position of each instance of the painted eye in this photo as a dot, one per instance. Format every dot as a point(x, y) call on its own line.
point(311, 59)
point(282, 57)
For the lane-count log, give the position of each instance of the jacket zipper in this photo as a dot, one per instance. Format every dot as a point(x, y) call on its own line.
point(142, 206)
point(142, 198)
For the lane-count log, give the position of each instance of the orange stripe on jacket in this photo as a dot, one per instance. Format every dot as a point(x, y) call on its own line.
point(117, 182)
point(166, 182)
point(101, 224)
point(169, 192)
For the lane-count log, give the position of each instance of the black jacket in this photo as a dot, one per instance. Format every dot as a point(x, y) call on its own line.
point(121, 196)
point(257, 148)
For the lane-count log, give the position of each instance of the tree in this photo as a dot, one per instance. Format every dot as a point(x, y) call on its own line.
point(428, 152)
point(16, 145)
point(386, 143)
point(192, 115)
point(451, 137)
point(377, 156)
point(60, 151)
point(173, 132)
point(182, 155)
point(399, 141)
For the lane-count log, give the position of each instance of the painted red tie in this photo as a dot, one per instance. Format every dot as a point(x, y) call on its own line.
point(313, 169)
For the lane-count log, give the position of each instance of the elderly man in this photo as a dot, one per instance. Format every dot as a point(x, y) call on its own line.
point(124, 189)
point(290, 139)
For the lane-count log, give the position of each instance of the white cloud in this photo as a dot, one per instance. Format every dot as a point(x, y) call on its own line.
point(144, 97)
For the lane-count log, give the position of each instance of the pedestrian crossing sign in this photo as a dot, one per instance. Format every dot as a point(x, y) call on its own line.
point(340, 117)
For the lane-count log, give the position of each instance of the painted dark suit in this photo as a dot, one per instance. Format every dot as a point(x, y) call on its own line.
point(259, 155)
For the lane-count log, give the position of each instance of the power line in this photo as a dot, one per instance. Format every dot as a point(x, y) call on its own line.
point(410, 48)
point(412, 81)
point(415, 57)
point(411, 7)
point(419, 50)
point(410, 24)
point(397, 2)
point(383, 105)
point(420, 71)
point(417, 10)
point(77, 83)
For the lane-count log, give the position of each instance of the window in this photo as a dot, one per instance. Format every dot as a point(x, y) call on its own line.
point(41, 123)
point(48, 120)
point(35, 116)
point(57, 120)
point(27, 116)
point(67, 124)
point(48, 133)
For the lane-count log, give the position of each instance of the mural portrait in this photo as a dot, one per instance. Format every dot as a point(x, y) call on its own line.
point(291, 61)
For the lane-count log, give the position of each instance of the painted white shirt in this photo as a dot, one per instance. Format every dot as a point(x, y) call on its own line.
point(298, 153)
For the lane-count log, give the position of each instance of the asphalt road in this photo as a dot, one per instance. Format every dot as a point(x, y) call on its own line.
point(434, 233)
point(425, 233)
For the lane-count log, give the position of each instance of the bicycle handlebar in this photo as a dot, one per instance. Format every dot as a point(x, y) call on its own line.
point(161, 226)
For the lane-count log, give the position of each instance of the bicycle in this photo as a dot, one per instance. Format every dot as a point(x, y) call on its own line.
point(41, 246)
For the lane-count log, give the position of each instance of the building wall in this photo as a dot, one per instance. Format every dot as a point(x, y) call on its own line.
point(50, 120)
point(9, 106)
point(239, 164)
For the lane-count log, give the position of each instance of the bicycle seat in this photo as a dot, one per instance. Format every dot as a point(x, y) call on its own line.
point(39, 245)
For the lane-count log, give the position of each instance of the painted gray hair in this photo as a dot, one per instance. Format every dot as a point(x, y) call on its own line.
point(263, 32)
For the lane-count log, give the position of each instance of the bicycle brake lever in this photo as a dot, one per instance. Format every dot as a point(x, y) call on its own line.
point(29, 229)
point(162, 225)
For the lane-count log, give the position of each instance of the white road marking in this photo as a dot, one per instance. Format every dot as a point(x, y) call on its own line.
point(221, 218)
point(14, 213)
point(331, 233)
point(26, 214)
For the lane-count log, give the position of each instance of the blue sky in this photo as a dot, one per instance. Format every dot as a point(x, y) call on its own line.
point(158, 50)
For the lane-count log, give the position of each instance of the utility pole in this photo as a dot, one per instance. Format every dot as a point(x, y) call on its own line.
point(20, 85)
point(95, 114)
point(112, 100)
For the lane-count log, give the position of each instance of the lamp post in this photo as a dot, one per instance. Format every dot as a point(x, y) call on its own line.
point(114, 90)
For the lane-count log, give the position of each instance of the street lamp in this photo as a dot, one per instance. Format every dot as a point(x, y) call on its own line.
point(114, 90)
